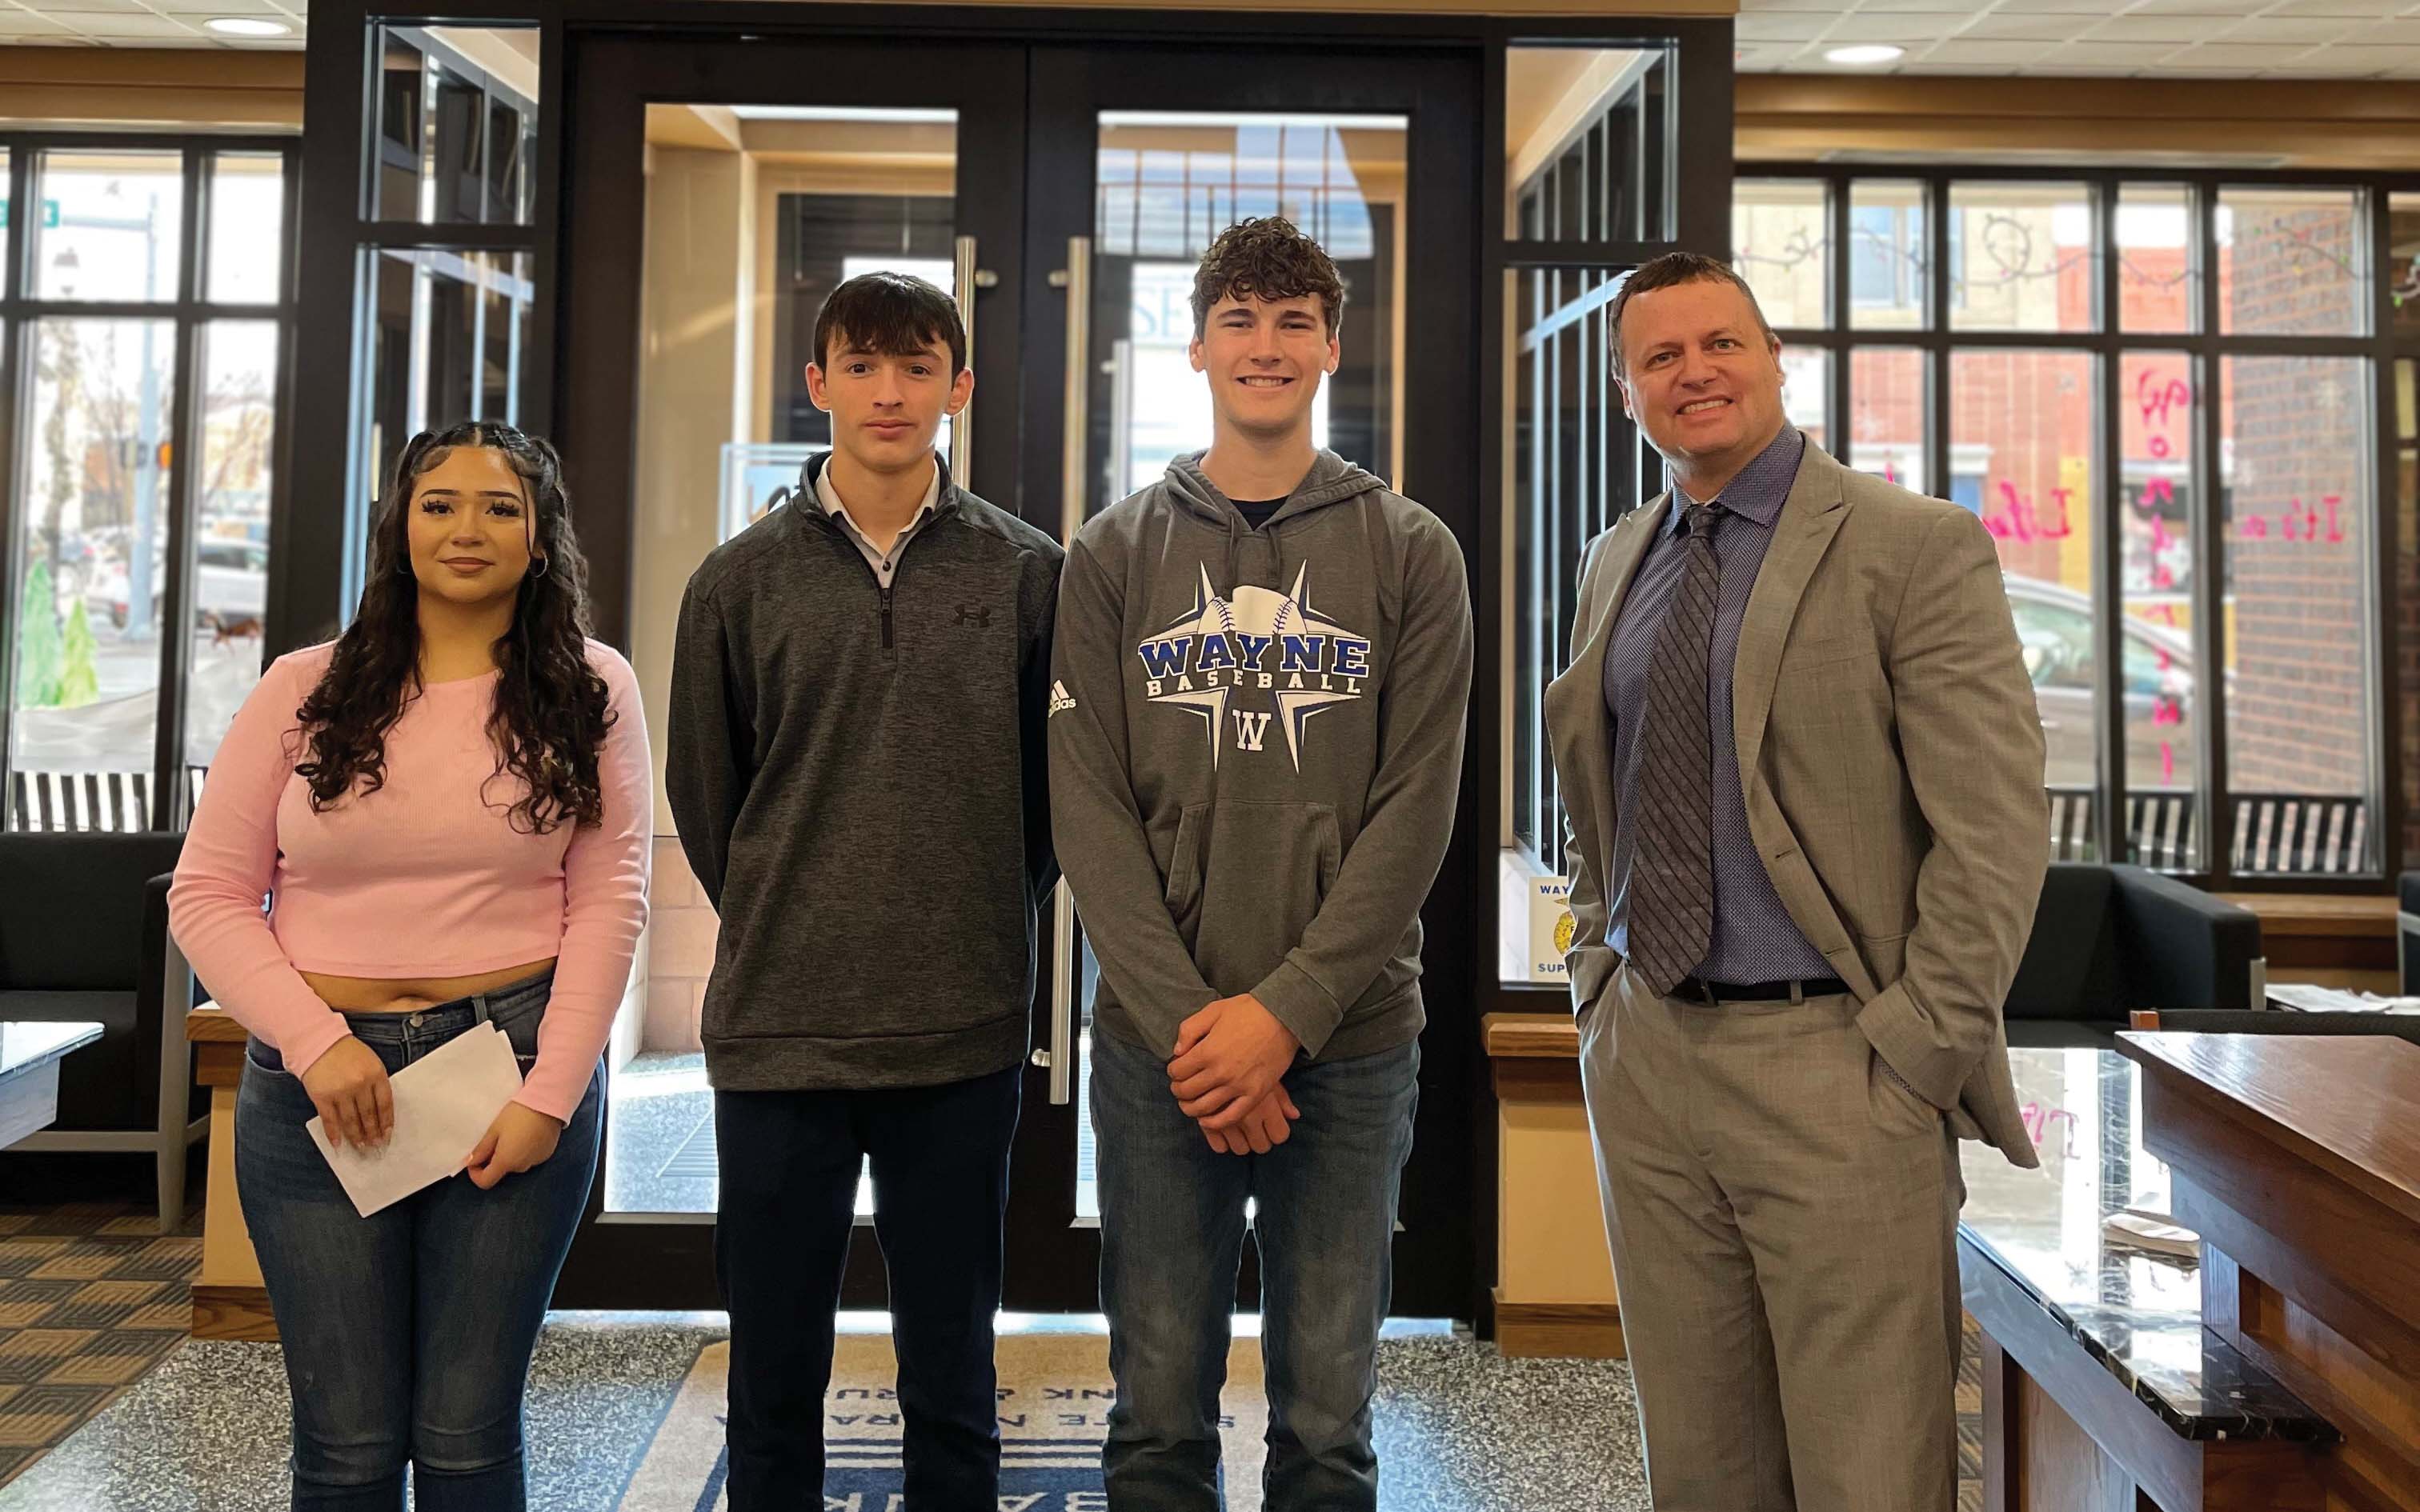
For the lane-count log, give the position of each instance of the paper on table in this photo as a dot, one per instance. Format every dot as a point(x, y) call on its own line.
point(443, 1104)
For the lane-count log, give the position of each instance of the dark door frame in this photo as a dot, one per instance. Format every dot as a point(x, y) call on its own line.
point(1440, 90)
point(641, 1260)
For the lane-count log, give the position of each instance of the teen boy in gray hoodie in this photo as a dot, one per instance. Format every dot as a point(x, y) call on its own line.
point(856, 765)
point(1262, 668)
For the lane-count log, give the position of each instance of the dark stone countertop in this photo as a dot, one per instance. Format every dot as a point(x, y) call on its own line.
point(2136, 1312)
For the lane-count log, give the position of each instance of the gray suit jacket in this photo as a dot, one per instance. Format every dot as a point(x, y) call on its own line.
point(1894, 792)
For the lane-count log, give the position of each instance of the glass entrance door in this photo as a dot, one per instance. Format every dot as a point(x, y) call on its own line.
point(1140, 156)
point(744, 181)
point(1063, 194)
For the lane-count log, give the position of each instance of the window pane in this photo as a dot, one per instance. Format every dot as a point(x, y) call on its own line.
point(231, 529)
point(88, 612)
point(2288, 261)
point(2020, 257)
point(1886, 416)
point(2156, 288)
point(2402, 265)
point(2159, 411)
point(1889, 265)
point(247, 227)
point(1587, 148)
point(2407, 592)
point(457, 124)
point(1805, 392)
point(1783, 249)
point(2295, 503)
point(2021, 455)
point(116, 232)
point(444, 336)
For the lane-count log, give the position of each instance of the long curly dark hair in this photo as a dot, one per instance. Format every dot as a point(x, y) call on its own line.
point(551, 709)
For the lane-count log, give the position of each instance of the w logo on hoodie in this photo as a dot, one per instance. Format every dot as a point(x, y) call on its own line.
point(1254, 641)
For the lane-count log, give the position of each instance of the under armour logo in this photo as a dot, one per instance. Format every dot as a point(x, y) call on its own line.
point(1251, 729)
point(980, 618)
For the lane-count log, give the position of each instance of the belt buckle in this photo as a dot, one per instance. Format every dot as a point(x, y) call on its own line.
point(1695, 989)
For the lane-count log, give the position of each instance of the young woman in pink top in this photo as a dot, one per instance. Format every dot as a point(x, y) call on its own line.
point(448, 811)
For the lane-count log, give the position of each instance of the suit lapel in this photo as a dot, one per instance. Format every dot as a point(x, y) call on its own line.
point(1580, 689)
point(1810, 517)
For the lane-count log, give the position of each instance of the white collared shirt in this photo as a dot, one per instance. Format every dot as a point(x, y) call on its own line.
point(885, 563)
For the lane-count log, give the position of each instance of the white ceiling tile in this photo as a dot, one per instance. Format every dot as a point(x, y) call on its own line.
point(2233, 57)
point(2377, 59)
point(2118, 55)
point(2193, 8)
point(1902, 30)
point(145, 27)
point(2024, 28)
point(1790, 27)
point(1964, 49)
point(2356, 10)
point(21, 26)
point(2306, 31)
point(2178, 29)
point(217, 7)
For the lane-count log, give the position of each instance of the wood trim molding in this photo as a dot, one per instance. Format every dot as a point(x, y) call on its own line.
point(233, 1313)
point(186, 88)
point(1559, 1330)
point(1530, 1035)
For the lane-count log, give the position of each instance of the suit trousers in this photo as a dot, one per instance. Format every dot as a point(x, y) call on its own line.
point(1782, 1215)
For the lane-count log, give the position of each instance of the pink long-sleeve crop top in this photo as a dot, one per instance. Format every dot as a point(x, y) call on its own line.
point(424, 877)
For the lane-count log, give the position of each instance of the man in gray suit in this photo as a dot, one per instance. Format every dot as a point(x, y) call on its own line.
point(1806, 835)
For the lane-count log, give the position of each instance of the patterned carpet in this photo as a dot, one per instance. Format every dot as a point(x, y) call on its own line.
point(91, 1298)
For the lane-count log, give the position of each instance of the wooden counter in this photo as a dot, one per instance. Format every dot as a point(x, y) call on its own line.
point(1554, 1277)
point(229, 1301)
point(2297, 1159)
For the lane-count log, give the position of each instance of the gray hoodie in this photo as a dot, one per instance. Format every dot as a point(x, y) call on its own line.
point(1255, 751)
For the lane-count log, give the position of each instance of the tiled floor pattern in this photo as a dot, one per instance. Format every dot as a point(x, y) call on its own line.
point(91, 1298)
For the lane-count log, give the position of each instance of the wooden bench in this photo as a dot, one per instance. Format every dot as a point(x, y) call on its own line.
point(229, 1301)
point(1553, 1279)
point(2333, 939)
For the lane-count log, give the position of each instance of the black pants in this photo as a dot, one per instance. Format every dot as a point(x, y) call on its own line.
point(790, 1164)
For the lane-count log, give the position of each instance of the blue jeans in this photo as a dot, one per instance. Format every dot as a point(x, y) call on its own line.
point(1171, 1237)
point(408, 1333)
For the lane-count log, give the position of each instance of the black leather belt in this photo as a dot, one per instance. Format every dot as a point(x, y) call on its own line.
point(1711, 993)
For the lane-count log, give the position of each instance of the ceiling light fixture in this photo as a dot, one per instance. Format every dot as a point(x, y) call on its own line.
point(1868, 52)
point(246, 27)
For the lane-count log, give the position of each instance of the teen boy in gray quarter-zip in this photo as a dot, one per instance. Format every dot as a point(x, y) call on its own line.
point(1256, 739)
point(857, 768)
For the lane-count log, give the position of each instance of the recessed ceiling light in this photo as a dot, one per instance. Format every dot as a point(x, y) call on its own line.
point(245, 26)
point(1866, 53)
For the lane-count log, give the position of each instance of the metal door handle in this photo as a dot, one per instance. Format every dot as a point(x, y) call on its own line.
point(1060, 1059)
point(967, 280)
point(1075, 279)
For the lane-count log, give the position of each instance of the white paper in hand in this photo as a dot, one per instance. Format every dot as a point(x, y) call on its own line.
point(443, 1104)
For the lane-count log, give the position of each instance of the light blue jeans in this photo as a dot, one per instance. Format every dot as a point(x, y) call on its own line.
point(1172, 1239)
point(408, 1333)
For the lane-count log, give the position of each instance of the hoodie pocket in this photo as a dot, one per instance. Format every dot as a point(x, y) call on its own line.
point(1245, 879)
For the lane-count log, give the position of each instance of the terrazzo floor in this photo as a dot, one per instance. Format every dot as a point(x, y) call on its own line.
point(207, 1429)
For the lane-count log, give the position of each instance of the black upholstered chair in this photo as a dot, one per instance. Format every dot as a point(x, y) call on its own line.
point(2110, 939)
point(84, 934)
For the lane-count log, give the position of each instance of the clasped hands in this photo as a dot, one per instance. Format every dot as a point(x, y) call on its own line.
point(1225, 1076)
point(349, 1086)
